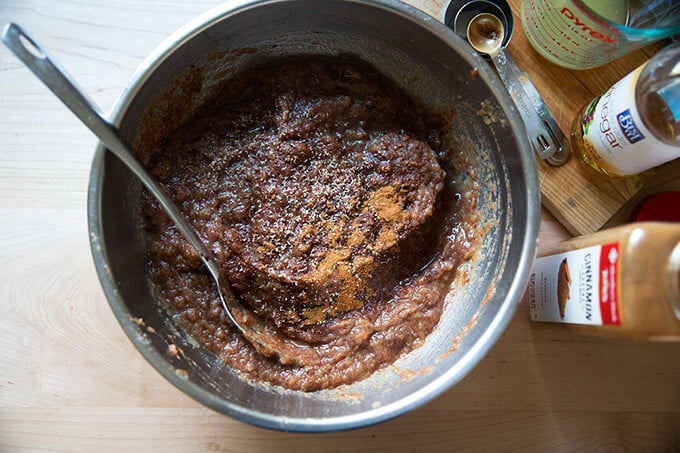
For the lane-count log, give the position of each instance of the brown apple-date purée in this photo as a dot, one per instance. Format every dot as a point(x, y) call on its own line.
point(325, 194)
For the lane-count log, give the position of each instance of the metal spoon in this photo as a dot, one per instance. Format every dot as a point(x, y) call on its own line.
point(485, 33)
point(263, 336)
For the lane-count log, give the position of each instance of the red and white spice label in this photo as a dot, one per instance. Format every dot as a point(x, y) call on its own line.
point(577, 287)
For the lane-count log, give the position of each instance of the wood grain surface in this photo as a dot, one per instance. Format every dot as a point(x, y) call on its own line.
point(71, 381)
point(583, 201)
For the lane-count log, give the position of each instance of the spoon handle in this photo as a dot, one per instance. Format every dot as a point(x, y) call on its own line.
point(549, 120)
point(65, 88)
point(61, 84)
point(546, 144)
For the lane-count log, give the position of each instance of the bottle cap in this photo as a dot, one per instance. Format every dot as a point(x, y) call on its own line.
point(662, 207)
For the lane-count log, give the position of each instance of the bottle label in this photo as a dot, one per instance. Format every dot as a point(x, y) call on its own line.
point(577, 287)
point(614, 136)
point(628, 126)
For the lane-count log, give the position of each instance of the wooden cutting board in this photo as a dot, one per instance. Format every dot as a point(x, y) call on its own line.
point(581, 200)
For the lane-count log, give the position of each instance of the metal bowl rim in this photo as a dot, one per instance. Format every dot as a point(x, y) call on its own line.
point(443, 382)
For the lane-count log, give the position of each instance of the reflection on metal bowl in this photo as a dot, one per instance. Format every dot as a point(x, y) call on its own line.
point(433, 65)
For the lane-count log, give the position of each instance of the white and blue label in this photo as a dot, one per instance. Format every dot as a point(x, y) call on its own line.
point(628, 127)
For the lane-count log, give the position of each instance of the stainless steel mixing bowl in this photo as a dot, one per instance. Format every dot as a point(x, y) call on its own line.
point(433, 64)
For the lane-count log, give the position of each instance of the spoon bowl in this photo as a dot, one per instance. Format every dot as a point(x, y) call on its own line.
point(456, 14)
point(485, 33)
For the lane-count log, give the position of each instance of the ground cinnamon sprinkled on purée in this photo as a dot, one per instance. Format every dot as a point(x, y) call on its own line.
point(317, 184)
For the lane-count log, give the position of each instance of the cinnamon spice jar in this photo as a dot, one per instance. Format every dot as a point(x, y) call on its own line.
point(622, 282)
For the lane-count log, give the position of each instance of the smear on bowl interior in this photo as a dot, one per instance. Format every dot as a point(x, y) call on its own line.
point(327, 195)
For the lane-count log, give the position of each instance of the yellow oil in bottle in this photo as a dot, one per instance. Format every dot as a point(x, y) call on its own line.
point(635, 125)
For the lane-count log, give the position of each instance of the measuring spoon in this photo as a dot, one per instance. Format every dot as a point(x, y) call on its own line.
point(485, 33)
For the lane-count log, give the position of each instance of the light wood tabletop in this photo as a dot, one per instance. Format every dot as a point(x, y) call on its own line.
point(70, 380)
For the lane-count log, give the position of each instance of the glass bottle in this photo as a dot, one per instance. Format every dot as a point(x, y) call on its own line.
point(635, 125)
point(622, 282)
